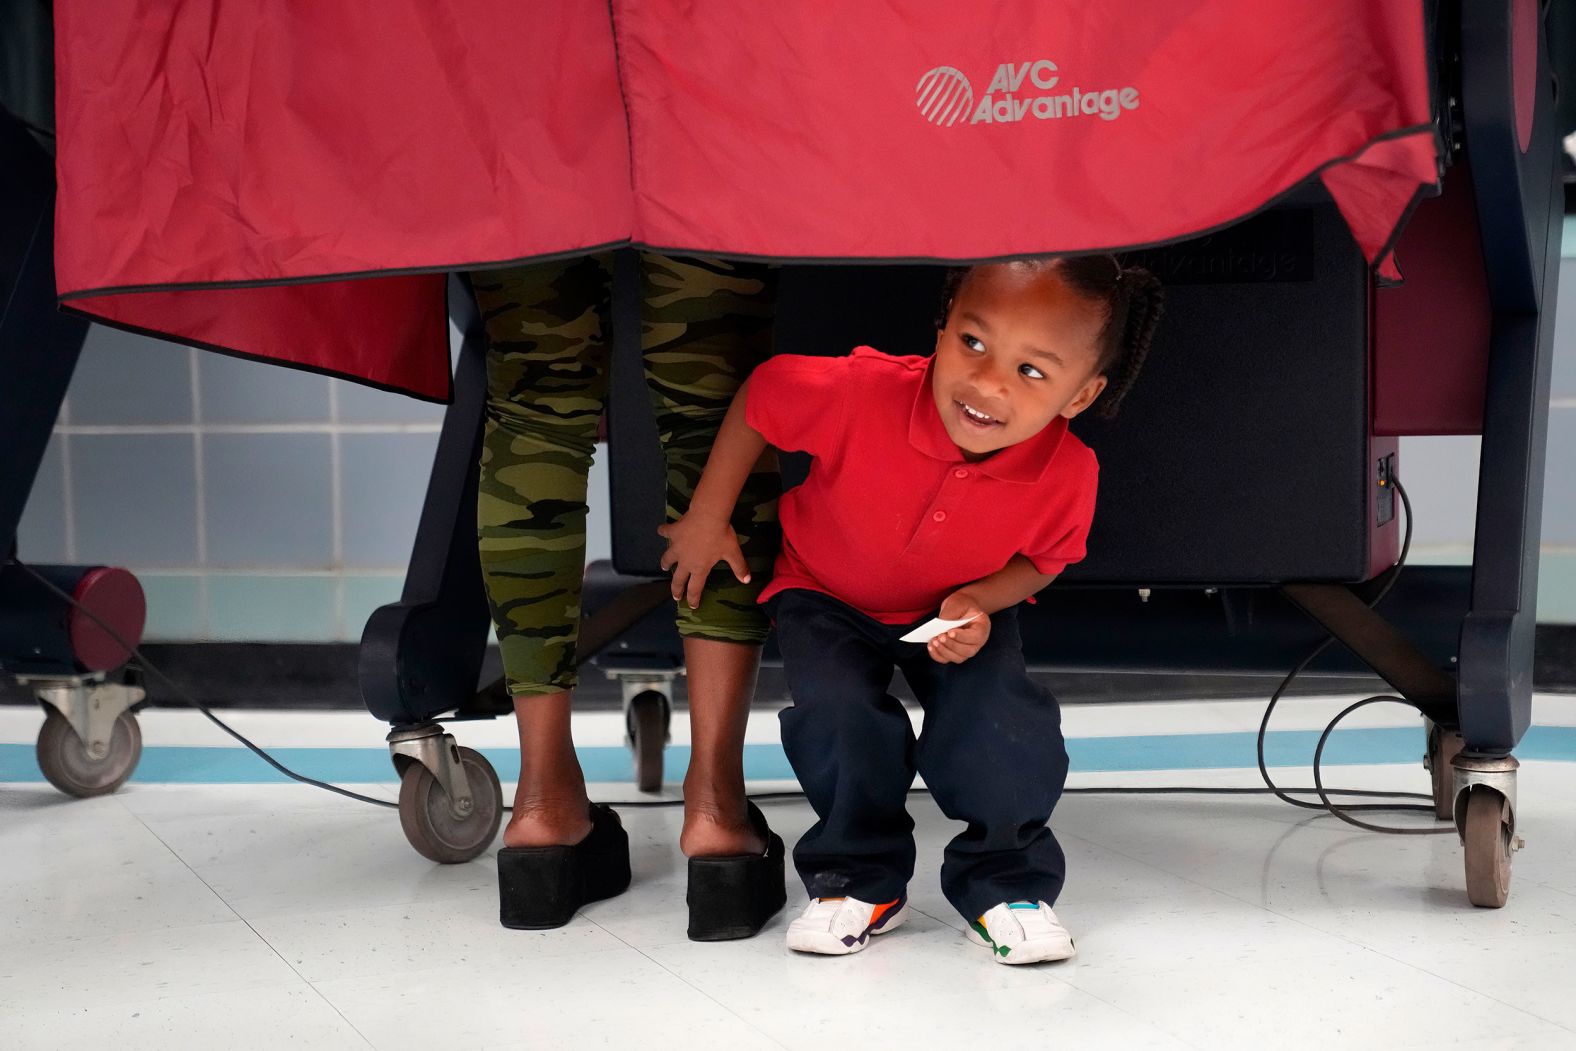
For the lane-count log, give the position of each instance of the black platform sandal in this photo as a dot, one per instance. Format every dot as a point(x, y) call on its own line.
point(733, 896)
point(542, 887)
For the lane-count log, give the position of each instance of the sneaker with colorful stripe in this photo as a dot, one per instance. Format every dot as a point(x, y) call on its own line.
point(839, 926)
point(1022, 932)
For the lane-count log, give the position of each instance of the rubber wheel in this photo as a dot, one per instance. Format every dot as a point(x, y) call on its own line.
point(648, 733)
point(429, 824)
point(64, 759)
point(1443, 747)
point(1486, 835)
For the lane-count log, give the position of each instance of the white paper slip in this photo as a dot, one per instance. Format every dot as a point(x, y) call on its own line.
point(931, 628)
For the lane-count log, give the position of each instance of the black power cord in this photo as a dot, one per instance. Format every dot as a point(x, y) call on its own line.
point(1326, 802)
point(133, 653)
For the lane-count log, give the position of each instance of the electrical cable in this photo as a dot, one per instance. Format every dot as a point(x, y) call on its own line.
point(1325, 802)
point(1325, 794)
point(133, 653)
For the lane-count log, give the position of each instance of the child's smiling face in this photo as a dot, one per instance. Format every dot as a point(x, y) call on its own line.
point(1020, 348)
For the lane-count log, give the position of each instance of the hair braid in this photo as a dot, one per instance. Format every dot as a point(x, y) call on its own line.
point(950, 284)
point(1140, 302)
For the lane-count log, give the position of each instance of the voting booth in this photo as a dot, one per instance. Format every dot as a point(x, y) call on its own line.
point(1353, 207)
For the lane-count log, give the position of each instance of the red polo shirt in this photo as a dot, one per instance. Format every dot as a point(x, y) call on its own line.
point(892, 518)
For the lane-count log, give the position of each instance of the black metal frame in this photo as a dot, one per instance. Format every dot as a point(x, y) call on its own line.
point(423, 654)
point(1520, 205)
point(39, 345)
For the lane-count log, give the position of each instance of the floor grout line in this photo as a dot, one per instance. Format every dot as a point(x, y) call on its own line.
point(642, 951)
point(1465, 987)
point(1298, 826)
point(1515, 1017)
point(255, 932)
point(335, 1008)
point(249, 926)
point(1125, 1013)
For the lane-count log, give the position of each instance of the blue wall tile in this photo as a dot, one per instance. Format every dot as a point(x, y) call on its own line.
point(363, 404)
point(1559, 490)
point(41, 535)
point(134, 499)
point(267, 500)
point(174, 607)
point(128, 379)
point(384, 478)
point(271, 608)
point(363, 594)
point(1564, 381)
point(235, 390)
point(1440, 475)
point(1557, 588)
point(599, 513)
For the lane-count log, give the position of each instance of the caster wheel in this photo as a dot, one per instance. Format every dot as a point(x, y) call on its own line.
point(649, 716)
point(1487, 834)
point(1443, 747)
point(64, 758)
point(429, 824)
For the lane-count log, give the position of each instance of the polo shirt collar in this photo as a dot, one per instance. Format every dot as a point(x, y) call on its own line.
point(1025, 462)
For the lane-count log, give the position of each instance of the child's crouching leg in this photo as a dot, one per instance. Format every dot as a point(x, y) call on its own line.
point(993, 755)
point(851, 746)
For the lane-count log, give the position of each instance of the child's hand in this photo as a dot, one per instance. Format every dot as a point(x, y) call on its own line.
point(965, 640)
point(696, 543)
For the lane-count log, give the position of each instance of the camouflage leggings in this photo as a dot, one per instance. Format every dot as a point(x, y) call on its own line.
point(705, 325)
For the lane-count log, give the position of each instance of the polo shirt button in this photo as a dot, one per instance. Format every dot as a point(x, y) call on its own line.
point(939, 516)
point(961, 472)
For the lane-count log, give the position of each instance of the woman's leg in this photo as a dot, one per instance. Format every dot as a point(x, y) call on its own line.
point(546, 387)
point(706, 324)
point(721, 685)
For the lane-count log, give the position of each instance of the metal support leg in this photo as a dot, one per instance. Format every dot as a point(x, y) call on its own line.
point(39, 345)
point(1508, 122)
point(1516, 181)
point(1379, 644)
point(423, 655)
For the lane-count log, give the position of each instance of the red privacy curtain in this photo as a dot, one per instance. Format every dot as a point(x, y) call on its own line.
point(291, 180)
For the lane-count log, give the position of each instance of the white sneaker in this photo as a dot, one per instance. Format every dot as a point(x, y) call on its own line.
point(839, 926)
point(1022, 932)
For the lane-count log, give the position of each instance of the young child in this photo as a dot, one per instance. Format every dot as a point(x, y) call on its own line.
point(942, 486)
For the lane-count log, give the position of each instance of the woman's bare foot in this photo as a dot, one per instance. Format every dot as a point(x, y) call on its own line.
point(550, 804)
point(716, 823)
point(721, 683)
point(542, 822)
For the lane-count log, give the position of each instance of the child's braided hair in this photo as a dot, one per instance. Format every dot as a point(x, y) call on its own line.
point(1133, 301)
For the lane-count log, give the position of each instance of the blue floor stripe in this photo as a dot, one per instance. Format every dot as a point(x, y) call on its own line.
point(762, 762)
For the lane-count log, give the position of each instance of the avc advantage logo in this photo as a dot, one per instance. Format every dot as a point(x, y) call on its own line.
point(1017, 91)
point(944, 96)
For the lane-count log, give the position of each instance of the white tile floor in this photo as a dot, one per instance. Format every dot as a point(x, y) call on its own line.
point(263, 916)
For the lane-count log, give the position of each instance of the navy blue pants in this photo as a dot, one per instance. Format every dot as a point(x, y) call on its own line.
point(991, 753)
